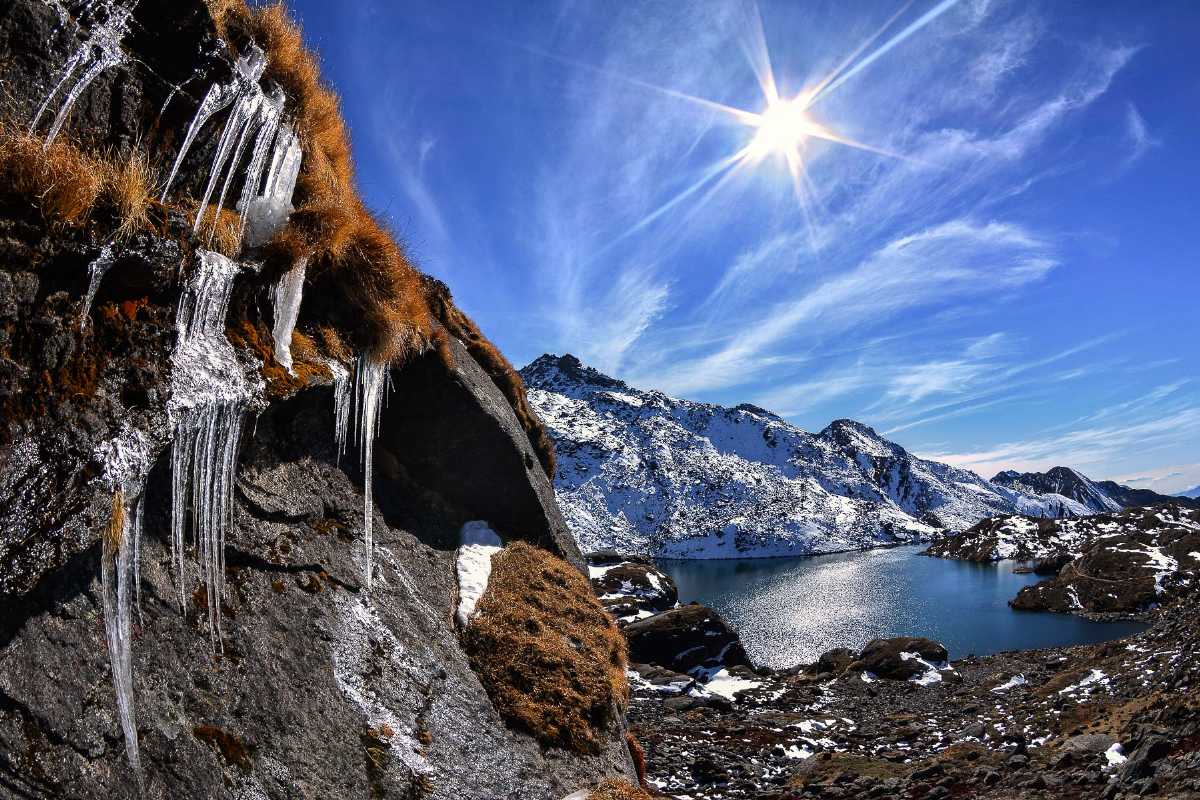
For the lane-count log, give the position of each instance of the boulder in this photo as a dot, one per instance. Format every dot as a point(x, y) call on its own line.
point(832, 661)
point(632, 589)
point(685, 638)
point(885, 657)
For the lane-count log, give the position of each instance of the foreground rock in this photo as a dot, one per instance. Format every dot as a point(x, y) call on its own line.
point(1117, 720)
point(685, 638)
point(630, 587)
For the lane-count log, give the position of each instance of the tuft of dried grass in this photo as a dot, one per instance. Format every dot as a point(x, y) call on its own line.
point(508, 380)
point(129, 188)
point(62, 181)
point(549, 656)
point(224, 230)
point(115, 530)
point(618, 789)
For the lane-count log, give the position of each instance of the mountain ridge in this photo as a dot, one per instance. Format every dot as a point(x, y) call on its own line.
point(651, 474)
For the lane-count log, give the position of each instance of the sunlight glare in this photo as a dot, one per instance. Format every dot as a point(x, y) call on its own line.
point(782, 128)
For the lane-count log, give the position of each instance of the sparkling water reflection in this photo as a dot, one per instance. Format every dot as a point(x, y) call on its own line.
point(790, 610)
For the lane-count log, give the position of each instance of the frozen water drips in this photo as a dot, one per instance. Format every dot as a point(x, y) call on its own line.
point(210, 394)
point(125, 460)
point(369, 381)
point(96, 271)
point(341, 404)
point(264, 214)
point(100, 51)
point(260, 124)
point(288, 293)
point(115, 574)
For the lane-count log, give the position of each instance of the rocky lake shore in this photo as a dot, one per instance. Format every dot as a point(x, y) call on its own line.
point(902, 718)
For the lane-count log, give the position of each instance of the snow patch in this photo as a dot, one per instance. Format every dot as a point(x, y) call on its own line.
point(474, 568)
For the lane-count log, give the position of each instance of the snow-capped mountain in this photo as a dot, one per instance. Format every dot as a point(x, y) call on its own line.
point(1062, 481)
point(1097, 496)
point(645, 473)
point(1193, 493)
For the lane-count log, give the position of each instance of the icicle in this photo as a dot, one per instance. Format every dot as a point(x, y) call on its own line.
point(115, 571)
point(369, 383)
point(126, 459)
point(210, 394)
point(99, 52)
point(246, 73)
point(288, 293)
point(341, 404)
point(265, 214)
point(96, 271)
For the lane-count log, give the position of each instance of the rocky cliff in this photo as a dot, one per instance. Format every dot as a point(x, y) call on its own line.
point(240, 436)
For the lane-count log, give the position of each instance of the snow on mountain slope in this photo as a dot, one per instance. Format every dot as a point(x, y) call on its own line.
point(645, 473)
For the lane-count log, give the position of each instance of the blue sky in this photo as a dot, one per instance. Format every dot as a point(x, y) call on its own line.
point(1013, 284)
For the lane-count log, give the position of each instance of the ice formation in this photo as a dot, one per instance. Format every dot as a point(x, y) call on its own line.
point(288, 293)
point(115, 568)
point(256, 121)
point(210, 394)
point(126, 459)
point(474, 569)
point(96, 271)
point(369, 384)
point(341, 404)
point(101, 50)
point(246, 72)
point(264, 214)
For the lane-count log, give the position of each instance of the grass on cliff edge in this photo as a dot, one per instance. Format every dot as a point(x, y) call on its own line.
point(546, 651)
point(333, 229)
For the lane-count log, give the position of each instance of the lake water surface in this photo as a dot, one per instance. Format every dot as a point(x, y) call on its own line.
point(790, 610)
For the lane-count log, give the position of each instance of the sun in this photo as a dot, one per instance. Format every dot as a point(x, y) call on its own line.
point(782, 128)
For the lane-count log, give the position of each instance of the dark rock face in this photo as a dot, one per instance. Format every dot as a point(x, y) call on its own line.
point(833, 661)
point(685, 638)
point(454, 439)
point(631, 588)
point(318, 686)
point(886, 658)
point(318, 690)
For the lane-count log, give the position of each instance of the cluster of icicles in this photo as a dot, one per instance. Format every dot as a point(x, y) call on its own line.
point(211, 394)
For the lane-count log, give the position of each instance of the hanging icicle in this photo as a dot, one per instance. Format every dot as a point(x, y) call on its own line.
point(96, 271)
point(341, 405)
point(101, 50)
point(288, 293)
point(369, 381)
point(247, 71)
point(264, 214)
point(115, 575)
point(126, 461)
point(210, 394)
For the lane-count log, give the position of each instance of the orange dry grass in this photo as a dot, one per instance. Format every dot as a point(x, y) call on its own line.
point(546, 651)
point(115, 530)
point(63, 182)
point(617, 789)
point(441, 305)
point(128, 187)
point(222, 227)
point(332, 226)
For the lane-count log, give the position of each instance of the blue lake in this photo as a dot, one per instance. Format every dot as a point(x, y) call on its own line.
point(790, 610)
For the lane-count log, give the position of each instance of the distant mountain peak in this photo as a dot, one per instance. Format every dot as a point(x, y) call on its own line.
point(549, 371)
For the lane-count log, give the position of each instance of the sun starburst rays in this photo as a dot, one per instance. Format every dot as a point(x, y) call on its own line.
point(784, 128)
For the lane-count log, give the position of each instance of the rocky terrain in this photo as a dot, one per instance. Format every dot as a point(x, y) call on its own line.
point(903, 719)
point(227, 567)
point(1121, 563)
point(645, 473)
